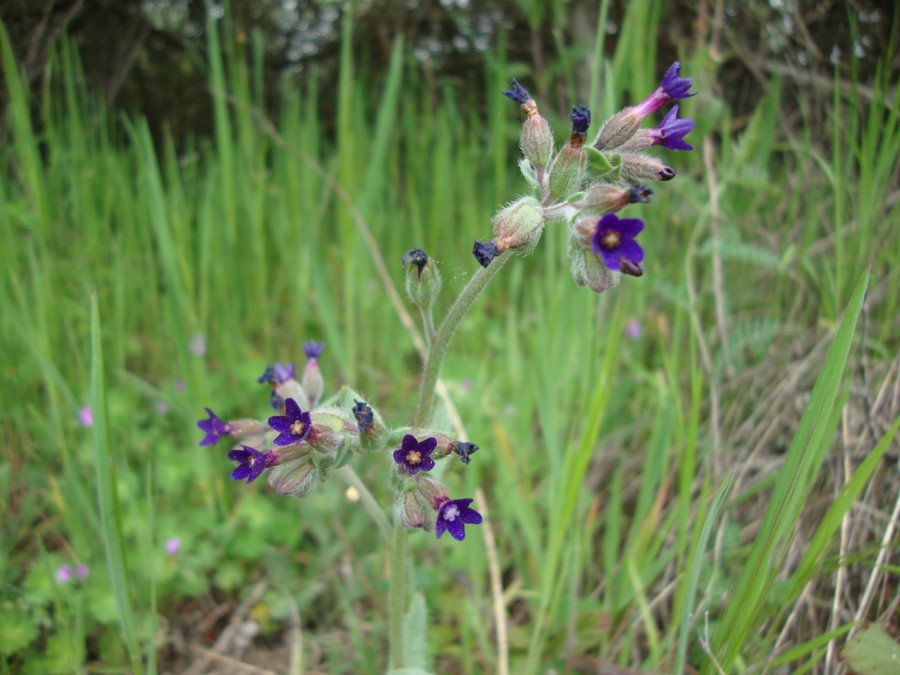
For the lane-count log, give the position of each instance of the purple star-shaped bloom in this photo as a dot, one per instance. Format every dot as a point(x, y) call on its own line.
point(214, 428)
point(675, 86)
point(277, 373)
point(415, 456)
point(671, 131)
point(313, 349)
point(453, 516)
point(251, 462)
point(518, 93)
point(614, 242)
point(671, 87)
point(294, 426)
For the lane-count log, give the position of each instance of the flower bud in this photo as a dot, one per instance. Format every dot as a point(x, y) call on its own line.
point(432, 491)
point(618, 129)
point(412, 510)
point(311, 380)
point(295, 477)
point(643, 167)
point(519, 225)
point(536, 140)
point(240, 429)
point(587, 267)
point(292, 389)
point(569, 165)
point(423, 280)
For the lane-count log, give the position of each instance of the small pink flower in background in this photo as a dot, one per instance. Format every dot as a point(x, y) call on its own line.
point(64, 574)
point(173, 545)
point(81, 571)
point(179, 386)
point(162, 407)
point(634, 329)
point(466, 384)
point(198, 345)
point(86, 416)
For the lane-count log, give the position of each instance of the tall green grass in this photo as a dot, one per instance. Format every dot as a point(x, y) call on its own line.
point(605, 481)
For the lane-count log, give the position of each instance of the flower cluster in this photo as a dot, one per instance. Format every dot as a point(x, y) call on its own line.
point(310, 437)
point(585, 185)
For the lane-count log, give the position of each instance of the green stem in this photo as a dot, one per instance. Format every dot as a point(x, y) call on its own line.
point(398, 596)
point(444, 334)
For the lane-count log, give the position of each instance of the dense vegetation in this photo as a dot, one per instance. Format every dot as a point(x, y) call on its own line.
point(652, 495)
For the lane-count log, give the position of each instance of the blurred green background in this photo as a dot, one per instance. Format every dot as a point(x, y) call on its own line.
point(210, 173)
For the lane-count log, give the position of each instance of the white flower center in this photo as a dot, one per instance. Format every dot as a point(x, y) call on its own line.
point(451, 512)
point(297, 428)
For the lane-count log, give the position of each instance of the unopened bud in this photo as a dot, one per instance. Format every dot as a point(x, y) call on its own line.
point(641, 140)
point(423, 280)
point(568, 168)
point(311, 380)
point(632, 269)
point(643, 167)
point(519, 225)
point(434, 492)
point(243, 428)
point(537, 138)
point(295, 477)
point(587, 267)
point(617, 130)
point(412, 510)
point(603, 198)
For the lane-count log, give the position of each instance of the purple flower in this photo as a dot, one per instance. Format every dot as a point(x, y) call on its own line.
point(197, 347)
point(86, 416)
point(173, 545)
point(453, 515)
point(81, 571)
point(485, 252)
point(64, 574)
point(670, 132)
point(518, 93)
point(251, 462)
point(414, 456)
point(614, 242)
point(277, 373)
point(313, 349)
point(671, 87)
point(364, 416)
point(294, 426)
point(214, 428)
point(634, 329)
point(675, 86)
point(581, 119)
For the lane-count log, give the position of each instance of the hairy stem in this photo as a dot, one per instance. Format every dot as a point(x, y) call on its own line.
point(397, 596)
point(444, 334)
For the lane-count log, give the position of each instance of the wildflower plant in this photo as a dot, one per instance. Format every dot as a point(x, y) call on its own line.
point(580, 189)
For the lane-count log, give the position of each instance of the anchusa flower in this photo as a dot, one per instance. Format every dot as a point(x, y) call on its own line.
point(86, 416)
point(583, 184)
point(293, 427)
point(453, 515)
point(213, 427)
point(413, 456)
point(251, 462)
point(423, 279)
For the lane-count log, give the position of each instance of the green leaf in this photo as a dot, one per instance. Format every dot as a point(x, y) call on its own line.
point(528, 173)
point(415, 629)
point(17, 628)
point(598, 164)
point(873, 652)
